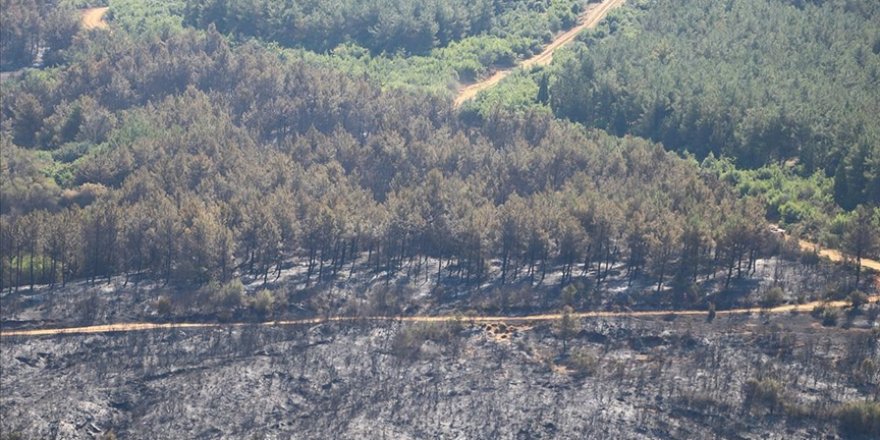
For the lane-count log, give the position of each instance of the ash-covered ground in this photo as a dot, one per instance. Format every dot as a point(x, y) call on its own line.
point(780, 376)
point(364, 292)
point(773, 376)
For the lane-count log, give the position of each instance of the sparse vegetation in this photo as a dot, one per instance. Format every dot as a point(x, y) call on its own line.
point(720, 377)
point(772, 297)
point(566, 328)
point(827, 315)
point(583, 363)
point(860, 419)
point(163, 306)
point(408, 340)
point(858, 299)
point(763, 394)
point(263, 303)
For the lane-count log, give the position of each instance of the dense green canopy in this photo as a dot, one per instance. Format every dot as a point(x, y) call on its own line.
point(412, 26)
point(761, 81)
point(196, 160)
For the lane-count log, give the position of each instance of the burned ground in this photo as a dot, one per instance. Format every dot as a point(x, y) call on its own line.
point(781, 376)
point(670, 376)
point(412, 291)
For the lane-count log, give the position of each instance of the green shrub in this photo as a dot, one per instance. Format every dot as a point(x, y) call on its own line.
point(263, 303)
point(827, 315)
point(858, 298)
point(810, 258)
point(772, 297)
point(583, 363)
point(407, 342)
point(764, 393)
point(163, 306)
point(224, 297)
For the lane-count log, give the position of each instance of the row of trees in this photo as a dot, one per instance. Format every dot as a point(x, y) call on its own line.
point(382, 26)
point(761, 81)
point(34, 30)
point(197, 161)
point(191, 240)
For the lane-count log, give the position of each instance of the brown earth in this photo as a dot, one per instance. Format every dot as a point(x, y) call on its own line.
point(93, 18)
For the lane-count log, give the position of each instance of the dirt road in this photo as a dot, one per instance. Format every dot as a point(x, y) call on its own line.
point(93, 18)
point(133, 327)
point(831, 254)
point(836, 256)
point(589, 19)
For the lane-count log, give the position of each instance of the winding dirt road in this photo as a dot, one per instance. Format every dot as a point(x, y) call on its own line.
point(134, 327)
point(93, 18)
point(589, 19)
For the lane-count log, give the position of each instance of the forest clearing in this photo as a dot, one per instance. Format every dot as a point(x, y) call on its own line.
point(93, 18)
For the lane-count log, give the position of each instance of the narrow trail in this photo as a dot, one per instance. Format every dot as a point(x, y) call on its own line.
point(93, 18)
point(589, 19)
point(134, 327)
